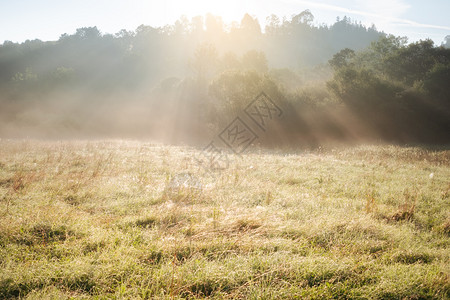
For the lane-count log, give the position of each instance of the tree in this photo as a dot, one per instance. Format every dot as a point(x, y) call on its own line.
point(181, 26)
point(272, 25)
point(233, 90)
point(342, 58)
point(436, 84)
point(305, 17)
point(197, 25)
point(250, 26)
point(214, 25)
point(387, 44)
point(447, 42)
point(88, 33)
point(411, 63)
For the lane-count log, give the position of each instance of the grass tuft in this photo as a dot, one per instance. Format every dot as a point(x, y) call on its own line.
point(412, 258)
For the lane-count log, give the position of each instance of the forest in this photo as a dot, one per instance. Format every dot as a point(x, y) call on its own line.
point(184, 83)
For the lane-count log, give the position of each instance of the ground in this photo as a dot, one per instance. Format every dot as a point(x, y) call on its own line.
point(101, 219)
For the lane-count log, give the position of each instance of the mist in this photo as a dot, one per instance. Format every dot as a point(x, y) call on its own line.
point(185, 83)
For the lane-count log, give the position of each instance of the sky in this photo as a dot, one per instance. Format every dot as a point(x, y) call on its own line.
point(48, 19)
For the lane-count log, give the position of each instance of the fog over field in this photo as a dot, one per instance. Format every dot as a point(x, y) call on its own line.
point(185, 82)
point(270, 157)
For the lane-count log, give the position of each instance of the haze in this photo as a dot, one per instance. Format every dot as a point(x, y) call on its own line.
point(185, 81)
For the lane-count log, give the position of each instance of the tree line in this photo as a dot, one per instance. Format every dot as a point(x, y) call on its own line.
point(185, 81)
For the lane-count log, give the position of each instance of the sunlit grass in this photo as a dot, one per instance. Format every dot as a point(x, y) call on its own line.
point(88, 219)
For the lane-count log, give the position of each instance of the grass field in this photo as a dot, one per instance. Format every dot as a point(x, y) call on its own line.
point(96, 219)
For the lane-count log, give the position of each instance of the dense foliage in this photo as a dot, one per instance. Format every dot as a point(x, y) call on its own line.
point(401, 90)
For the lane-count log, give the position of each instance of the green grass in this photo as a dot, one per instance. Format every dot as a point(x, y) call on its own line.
point(95, 220)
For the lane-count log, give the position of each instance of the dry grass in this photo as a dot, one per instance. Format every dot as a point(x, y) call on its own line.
point(102, 219)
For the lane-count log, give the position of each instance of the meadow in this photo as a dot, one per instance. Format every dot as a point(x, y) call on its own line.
point(100, 219)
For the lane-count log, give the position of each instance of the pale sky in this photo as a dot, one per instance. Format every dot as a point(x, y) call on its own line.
point(48, 19)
